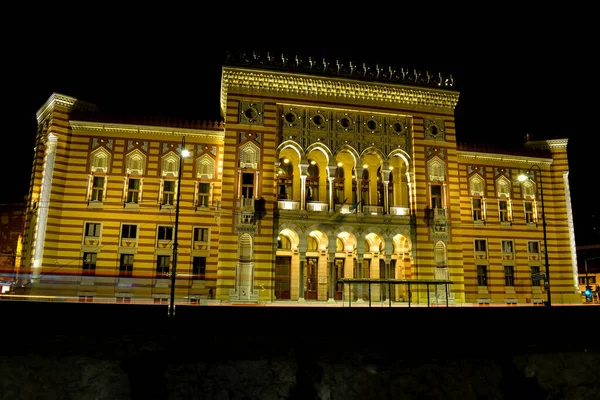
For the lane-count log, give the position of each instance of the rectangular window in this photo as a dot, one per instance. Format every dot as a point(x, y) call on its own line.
point(126, 265)
point(529, 212)
point(482, 275)
point(168, 192)
point(133, 190)
point(509, 275)
point(97, 188)
point(535, 276)
point(199, 268)
point(165, 232)
point(247, 185)
point(128, 231)
point(86, 299)
point(481, 245)
point(533, 247)
point(477, 214)
point(89, 264)
point(507, 246)
point(203, 194)
point(162, 266)
point(92, 229)
point(161, 301)
point(200, 234)
point(503, 210)
point(436, 196)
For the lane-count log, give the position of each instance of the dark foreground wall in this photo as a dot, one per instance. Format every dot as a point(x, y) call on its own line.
point(106, 351)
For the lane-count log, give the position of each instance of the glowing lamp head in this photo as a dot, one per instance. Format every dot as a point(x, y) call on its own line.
point(523, 177)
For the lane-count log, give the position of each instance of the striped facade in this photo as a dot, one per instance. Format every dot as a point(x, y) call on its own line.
point(310, 179)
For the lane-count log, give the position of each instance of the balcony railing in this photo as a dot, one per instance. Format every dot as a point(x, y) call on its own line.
point(288, 205)
point(396, 210)
point(372, 210)
point(317, 206)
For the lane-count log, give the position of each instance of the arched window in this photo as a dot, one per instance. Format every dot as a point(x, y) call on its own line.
point(338, 186)
point(312, 182)
point(285, 179)
point(379, 188)
point(364, 187)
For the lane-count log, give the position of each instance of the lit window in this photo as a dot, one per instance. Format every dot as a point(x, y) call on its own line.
point(168, 192)
point(133, 190)
point(503, 210)
point(507, 246)
point(480, 245)
point(92, 229)
point(477, 213)
point(97, 188)
point(436, 196)
point(203, 194)
point(200, 234)
point(529, 212)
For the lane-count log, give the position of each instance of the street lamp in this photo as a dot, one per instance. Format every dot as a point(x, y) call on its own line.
point(522, 178)
point(182, 153)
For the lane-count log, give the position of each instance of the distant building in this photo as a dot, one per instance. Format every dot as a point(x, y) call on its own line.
point(319, 172)
point(12, 221)
point(589, 267)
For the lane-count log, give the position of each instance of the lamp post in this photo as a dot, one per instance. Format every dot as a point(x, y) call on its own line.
point(182, 153)
point(522, 178)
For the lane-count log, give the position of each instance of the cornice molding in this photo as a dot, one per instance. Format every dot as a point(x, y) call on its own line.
point(503, 158)
point(60, 100)
point(552, 144)
point(256, 81)
point(145, 130)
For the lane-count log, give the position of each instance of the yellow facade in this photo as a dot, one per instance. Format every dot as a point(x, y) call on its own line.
point(311, 178)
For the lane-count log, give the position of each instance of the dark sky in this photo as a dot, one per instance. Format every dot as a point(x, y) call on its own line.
point(514, 77)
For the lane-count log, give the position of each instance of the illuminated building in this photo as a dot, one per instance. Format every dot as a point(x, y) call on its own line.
point(319, 172)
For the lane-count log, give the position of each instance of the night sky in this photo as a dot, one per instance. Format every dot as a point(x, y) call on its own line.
point(514, 78)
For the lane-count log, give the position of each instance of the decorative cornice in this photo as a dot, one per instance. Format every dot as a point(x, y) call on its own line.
point(352, 70)
point(503, 158)
point(552, 144)
point(334, 89)
point(146, 130)
point(60, 100)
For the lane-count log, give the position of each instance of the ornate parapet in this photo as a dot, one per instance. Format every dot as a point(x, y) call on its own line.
point(349, 88)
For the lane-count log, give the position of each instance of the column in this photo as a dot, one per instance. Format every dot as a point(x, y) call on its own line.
point(332, 282)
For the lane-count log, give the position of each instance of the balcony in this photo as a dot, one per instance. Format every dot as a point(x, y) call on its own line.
point(399, 211)
point(289, 205)
point(317, 206)
point(372, 210)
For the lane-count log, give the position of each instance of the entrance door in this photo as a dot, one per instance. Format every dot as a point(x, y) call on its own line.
point(338, 273)
point(310, 278)
point(282, 278)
